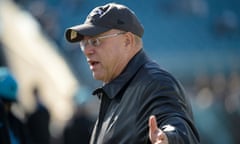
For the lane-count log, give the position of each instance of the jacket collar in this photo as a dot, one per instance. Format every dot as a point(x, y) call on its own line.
point(113, 88)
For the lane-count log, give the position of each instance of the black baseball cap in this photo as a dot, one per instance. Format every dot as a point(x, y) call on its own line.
point(104, 18)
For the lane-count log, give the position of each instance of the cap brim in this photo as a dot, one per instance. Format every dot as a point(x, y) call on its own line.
point(76, 33)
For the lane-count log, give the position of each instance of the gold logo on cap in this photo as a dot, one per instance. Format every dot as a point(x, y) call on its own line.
point(73, 35)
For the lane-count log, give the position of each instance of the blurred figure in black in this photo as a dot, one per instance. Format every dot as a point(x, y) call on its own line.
point(38, 121)
point(79, 128)
point(13, 130)
point(4, 136)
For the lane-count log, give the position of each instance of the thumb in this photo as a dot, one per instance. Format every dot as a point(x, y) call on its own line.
point(153, 124)
point(155, 134)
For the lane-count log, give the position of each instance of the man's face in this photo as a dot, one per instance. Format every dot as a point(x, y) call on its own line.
point(106, 57)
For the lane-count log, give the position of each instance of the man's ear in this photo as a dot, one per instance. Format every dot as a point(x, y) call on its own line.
point(129, 41)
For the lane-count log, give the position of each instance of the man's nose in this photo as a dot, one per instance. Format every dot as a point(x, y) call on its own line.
point(88, 49)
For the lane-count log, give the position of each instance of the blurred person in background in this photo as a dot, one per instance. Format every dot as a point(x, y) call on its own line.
point(4, 136)
point(79, 127)
point(140, 102)
point(38, 121)
point(17, 132)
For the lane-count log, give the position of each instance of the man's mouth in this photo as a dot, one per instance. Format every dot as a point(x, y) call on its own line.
point(93, 63)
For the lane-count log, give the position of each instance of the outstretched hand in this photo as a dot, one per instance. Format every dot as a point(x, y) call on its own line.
point(156, 135)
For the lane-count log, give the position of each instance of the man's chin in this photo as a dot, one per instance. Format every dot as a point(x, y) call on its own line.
point(96, 77)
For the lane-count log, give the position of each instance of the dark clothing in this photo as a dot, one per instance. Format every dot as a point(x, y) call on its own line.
point(17, 130)
point(4, 136)
point(141, 90)
point(78, 130)
point(38, 125)
point(12, 129)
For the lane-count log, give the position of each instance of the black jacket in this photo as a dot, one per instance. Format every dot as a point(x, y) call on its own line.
point(141, 90)
point(4, 136)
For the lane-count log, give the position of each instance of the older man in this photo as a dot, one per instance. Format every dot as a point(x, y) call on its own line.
point(140, 102)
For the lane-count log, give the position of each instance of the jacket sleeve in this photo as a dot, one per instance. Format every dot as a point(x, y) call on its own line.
point(164, 98)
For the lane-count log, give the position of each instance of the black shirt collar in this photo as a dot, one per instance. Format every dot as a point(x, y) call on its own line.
point(113, 88)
